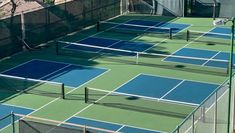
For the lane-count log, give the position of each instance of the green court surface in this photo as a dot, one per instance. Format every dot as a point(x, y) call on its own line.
point(119, 70)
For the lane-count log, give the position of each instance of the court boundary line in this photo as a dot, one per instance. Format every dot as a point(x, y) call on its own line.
point(41, 78)
point(162, 21)
point(85, 108)
point(164, 60)
point(172, 89)
point(147, 74)
point(132, 40)
point(101, 54)
point(156, 44)
point(198, 65)
point(118, 40)
point(73, 64)
point(147, 97)
point(161, 99)
point(207, 49)
point(21, 64)
point(97, 33)
point(58, 62)
point(211, 58)
point(193, 41)
point(208, 109)
point(95, 36)
point(55, 99)
point(17, 106)
point(222, 33)
point(120, 128)
point(79, 112)
point(96, 52)
point(114, 123)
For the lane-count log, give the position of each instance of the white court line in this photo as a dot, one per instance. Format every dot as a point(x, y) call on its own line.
point(21, 64)
point(59, 98)
point(187, 44)
point(120, 128)
point(104, 49)
point(114, 123)
point(167, 38)
point(179, 78)
point(211, 58)
point(73, 64)
point(100, 98)
point(172, 89)
point(17, 106)
point(133, 40)
point(99, 37)
point(206, 111)
point(75, 115)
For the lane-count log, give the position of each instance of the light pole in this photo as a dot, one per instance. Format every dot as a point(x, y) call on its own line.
point(222, 22)
point(230, 75)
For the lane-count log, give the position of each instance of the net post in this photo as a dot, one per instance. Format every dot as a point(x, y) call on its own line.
point(57, 47)
point(62, 91)
point(86, 95)
point(170, 33)
point(187, 36)
point(13, 121)
point(98, 26)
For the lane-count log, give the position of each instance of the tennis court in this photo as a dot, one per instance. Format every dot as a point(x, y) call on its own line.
point(208, 58)
point(56, 72)
point(124, 73)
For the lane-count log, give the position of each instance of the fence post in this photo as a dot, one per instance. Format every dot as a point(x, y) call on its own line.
point(215, 115)
point(13, 122)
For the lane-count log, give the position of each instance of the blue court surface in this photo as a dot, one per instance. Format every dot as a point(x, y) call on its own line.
point(162, 88)
point(221, 58)
point(6, 109)
point(223, 33)
point(110, 43)
point(169, 89)
point(109, 126)
point(127, 45)
point(69, 74)
point(176, 27)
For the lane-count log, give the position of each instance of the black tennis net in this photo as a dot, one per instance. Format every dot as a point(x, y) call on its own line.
point(136, 29)
point(208, 38)
point(31, 86)
point(134, 56)
point(138, 103)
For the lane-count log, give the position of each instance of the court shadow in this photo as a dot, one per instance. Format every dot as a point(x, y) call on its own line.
point(150, 110)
